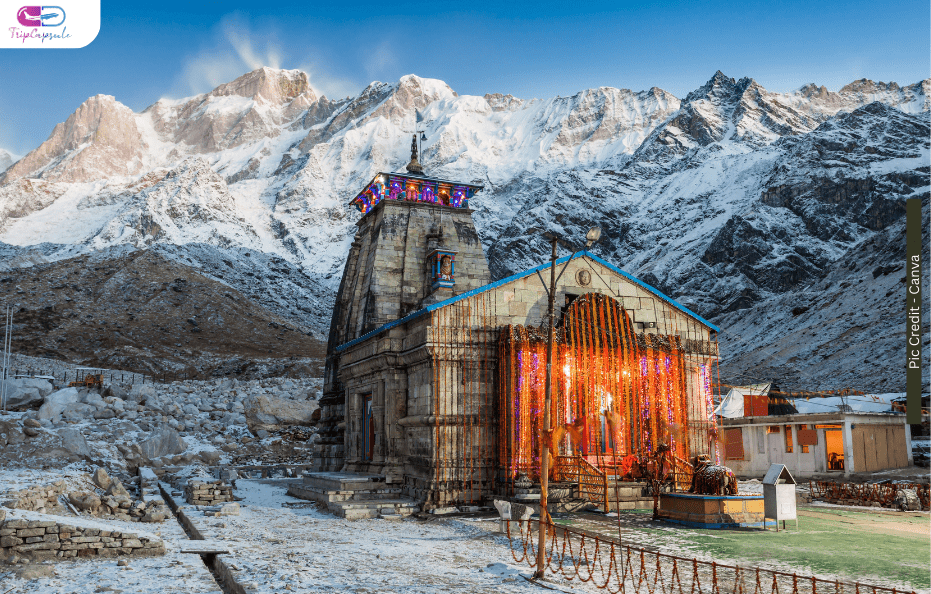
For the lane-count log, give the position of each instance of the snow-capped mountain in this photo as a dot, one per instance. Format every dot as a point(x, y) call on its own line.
point(727, 199)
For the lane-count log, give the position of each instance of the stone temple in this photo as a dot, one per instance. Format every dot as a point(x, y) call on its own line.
point(435, 375)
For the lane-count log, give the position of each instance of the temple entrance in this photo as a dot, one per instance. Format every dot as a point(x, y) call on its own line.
point(368, 429)
point(617, 394)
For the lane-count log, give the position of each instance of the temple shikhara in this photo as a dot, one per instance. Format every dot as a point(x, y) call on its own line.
point(435, 375)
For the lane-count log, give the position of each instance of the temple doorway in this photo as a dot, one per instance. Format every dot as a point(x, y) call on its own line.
point(368, 429)
point(616, 392)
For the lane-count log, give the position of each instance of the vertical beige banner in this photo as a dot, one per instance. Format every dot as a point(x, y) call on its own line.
point(913, 304)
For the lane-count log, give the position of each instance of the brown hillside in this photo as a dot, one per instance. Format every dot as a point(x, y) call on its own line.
point(142, 312)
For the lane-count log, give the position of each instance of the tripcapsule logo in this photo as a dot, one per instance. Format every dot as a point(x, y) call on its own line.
point(69, 24)
point(41, 16)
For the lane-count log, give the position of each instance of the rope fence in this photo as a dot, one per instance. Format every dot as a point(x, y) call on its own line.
point(868, 493)
point(579, 555)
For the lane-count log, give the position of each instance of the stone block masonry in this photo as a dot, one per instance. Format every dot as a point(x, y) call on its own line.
point(207, 493)
point(40, 539)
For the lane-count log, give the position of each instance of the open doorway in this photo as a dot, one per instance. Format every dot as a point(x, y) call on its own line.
point(834, 448)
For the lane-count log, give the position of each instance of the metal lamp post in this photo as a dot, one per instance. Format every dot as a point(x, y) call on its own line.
point(593, 235)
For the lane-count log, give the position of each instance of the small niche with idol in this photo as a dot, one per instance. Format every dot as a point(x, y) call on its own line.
point(442, 264)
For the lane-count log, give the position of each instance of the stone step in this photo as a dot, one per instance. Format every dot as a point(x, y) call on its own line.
point(328, 496)
point(623, 491)
point(343, 481)
point(638, 503)
point(360, 510)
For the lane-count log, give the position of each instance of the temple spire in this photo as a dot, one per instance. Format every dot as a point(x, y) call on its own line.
point(414, 166)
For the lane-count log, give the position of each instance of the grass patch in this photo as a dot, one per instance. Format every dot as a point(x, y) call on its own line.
point(821, 547)
point(874, 547)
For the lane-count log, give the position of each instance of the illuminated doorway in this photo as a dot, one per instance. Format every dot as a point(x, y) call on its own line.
point(834, 448)
point(615, 391)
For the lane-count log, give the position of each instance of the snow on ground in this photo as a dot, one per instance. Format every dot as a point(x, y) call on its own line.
point(175, 572)
point(282, 544)
point(275, 546)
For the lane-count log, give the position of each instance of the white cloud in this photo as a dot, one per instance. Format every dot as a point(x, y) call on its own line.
point(331, 86)
point(236, 48)
point(381, 58)
point(7, 158)
point(240, 38)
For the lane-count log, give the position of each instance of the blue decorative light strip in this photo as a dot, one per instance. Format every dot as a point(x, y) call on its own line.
point(393, 186)
point(521, 275)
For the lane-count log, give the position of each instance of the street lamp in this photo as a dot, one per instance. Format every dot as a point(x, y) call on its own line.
point(591, 237)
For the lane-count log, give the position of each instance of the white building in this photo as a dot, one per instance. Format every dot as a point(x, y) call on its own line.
point(817, 443)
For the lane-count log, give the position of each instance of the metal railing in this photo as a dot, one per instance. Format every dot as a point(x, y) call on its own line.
point(593, 482)
point(621, 569)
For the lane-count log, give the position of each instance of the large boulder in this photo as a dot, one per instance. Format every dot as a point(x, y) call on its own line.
point(907, 500)
point(140, 393)
point(117, 391)
point(56, 403)
point(78, 412)
point(272, 414)
point(73, 441)
point(85, 501)
point(10, 433)
point(94, 399)
point(102, 479)
point(25, 392)
point(42, 385)
point(164, 441)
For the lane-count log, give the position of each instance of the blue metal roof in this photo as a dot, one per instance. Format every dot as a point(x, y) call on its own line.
point(519, 275)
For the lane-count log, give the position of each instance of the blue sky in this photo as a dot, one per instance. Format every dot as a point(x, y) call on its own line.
point(529, 49)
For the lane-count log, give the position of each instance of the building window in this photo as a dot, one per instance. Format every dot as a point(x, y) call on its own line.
point(772, 429)
point(734, 444)
point(800, 429)
point(788, 439)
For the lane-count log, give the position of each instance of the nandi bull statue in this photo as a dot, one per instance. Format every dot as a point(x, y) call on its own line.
point(711, 479)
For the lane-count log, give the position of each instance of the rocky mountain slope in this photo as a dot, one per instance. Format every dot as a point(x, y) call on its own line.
point(140, 310)
point(729, 199)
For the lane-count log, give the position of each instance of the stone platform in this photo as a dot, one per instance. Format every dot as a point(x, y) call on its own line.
point(713, 511)
point(629, 495)
point(354, 496)
point(624, 495)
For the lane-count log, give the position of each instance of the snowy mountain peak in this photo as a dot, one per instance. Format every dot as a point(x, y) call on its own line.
point(813, 91)
point(865, 85)
point(272, 85)
point(430, 88)
point(241, 112)
point(99, 140)
point(719, 85)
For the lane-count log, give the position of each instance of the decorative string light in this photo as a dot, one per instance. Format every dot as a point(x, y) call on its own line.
point(606, 371)
point(413, 190)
